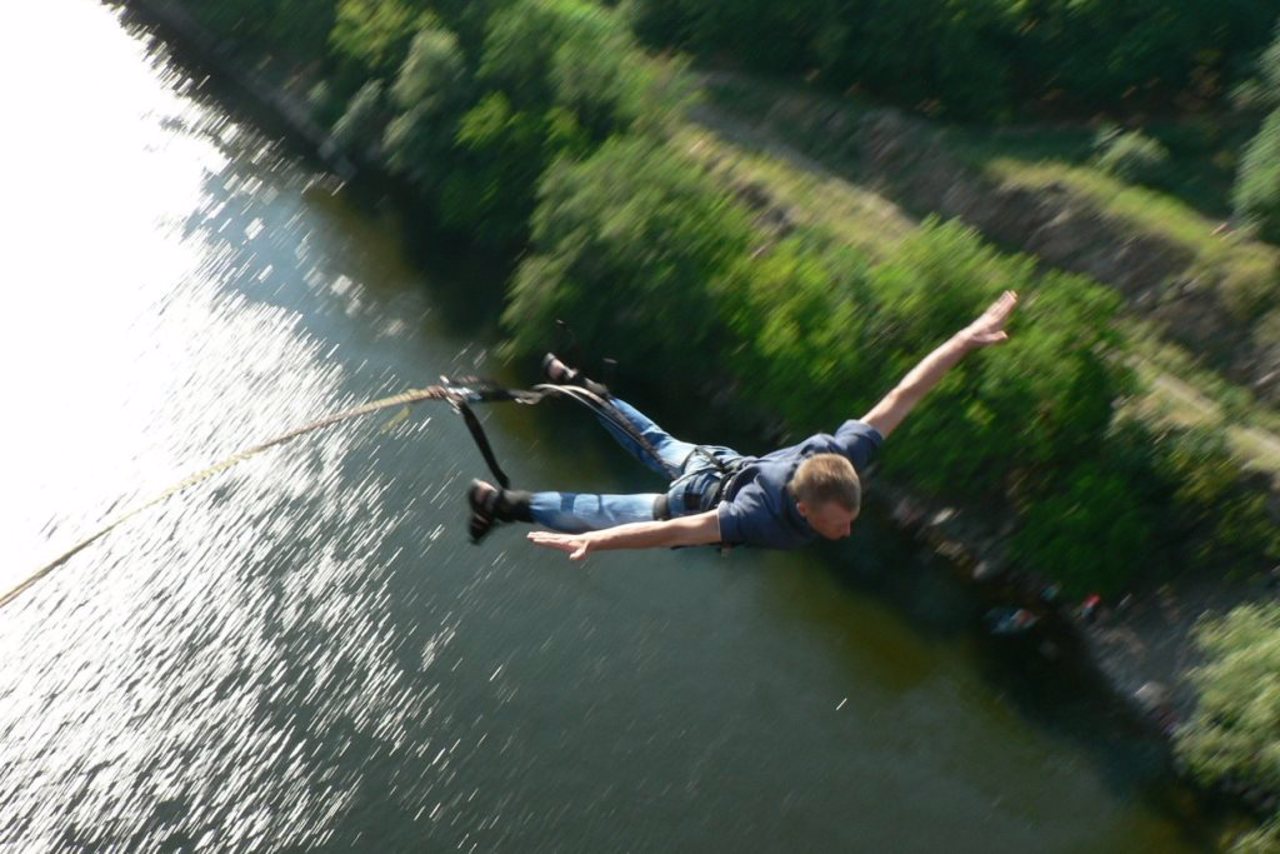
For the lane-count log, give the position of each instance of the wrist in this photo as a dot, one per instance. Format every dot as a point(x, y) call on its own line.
point(965, 340)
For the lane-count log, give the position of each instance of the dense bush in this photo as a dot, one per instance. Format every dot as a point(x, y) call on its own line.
point(359, 128)
point(374, 35)
point(1132, 156)
point(1264, 840)
point(1235, 733)
point(1214, 518)
point(799, 321)
point(974, 57)
point(1256, 196)
point(475, 133)
point(627, 247)
point(296, 30)
point(430, 92)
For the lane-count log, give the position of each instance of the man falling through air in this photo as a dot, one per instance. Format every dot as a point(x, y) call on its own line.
point(781, 500)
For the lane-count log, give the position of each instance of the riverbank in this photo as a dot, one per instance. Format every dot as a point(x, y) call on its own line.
point(943, 527)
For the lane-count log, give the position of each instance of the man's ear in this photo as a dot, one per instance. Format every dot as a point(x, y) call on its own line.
point(803, 509)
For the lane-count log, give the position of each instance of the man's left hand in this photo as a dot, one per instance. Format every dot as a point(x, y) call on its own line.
point(989, 328)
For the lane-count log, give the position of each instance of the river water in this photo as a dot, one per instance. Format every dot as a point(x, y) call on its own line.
point(305, 652)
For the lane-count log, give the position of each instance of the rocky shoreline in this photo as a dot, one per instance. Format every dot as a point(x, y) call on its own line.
point(1143, 646)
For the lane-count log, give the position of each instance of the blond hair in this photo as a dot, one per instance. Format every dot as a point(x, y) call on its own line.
point(825, 478)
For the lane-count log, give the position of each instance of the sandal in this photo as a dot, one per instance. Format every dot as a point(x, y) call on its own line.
point(559, 373)
point(483, 499)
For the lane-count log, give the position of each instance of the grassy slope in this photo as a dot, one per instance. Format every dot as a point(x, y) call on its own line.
point(751, 133)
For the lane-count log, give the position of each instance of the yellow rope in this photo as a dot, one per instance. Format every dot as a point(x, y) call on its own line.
point(434, 392)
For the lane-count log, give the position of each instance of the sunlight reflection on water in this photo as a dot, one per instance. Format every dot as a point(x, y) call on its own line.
point(188, 692)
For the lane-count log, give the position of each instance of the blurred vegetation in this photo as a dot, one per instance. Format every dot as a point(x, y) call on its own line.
point(541, 128)
point(977, 58)
point(1232, 739)
point(1263, 840)
point(1256, 195)
point(1131, 156)
point(1257, 189)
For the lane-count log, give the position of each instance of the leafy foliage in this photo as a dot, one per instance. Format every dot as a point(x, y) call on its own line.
point(429, 93)
point(799, 320)
point(361, 125)
point(1132, 156)
point(375, 34)
point(1216, 519)
point(1235, 732)
point(1256, 195)
point(296, 29)
point(625, 245)
point(1263, 840)
point(1088, 532)
point(476, 131)
point(973, 57)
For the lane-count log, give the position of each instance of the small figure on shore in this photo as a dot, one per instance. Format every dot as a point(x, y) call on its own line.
point(1009, 621)
point(1089, 609)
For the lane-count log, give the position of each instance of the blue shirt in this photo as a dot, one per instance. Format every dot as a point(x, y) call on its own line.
point(761, 510)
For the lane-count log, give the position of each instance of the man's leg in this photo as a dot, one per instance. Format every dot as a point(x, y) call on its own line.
point(569, 512)
point(672, 452)
point(576, 512)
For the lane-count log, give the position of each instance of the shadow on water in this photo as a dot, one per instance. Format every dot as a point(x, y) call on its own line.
point(1044, 675)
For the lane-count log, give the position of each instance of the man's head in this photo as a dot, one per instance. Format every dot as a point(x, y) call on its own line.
point(828, 494)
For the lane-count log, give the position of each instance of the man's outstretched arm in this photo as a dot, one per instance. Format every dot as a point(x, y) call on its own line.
point(988, 329)
point(698, 530)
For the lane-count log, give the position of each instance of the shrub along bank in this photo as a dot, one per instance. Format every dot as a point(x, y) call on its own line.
point(978, 58)
point(541, 127)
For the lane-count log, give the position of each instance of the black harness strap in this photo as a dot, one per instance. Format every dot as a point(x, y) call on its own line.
point(482, 442)
point(466, 390)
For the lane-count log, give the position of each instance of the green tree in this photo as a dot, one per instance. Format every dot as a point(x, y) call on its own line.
point(625, 246)
point(1045, 395)
point(800, 318)
point(1214, 516)
point(1256, 194)
point(552, 79)
point(295, 29)
point(498, 159)
point(362, 124)
point(430, 93)
point(1264, 840)
point(1091, 532)
point(1235, 732)
point(375, 34)
point(570, 54)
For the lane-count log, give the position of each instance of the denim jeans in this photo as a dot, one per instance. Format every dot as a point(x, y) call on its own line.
point(692, 476)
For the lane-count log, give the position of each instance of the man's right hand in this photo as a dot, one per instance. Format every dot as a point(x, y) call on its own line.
point(697, 530)
point(577, 545)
